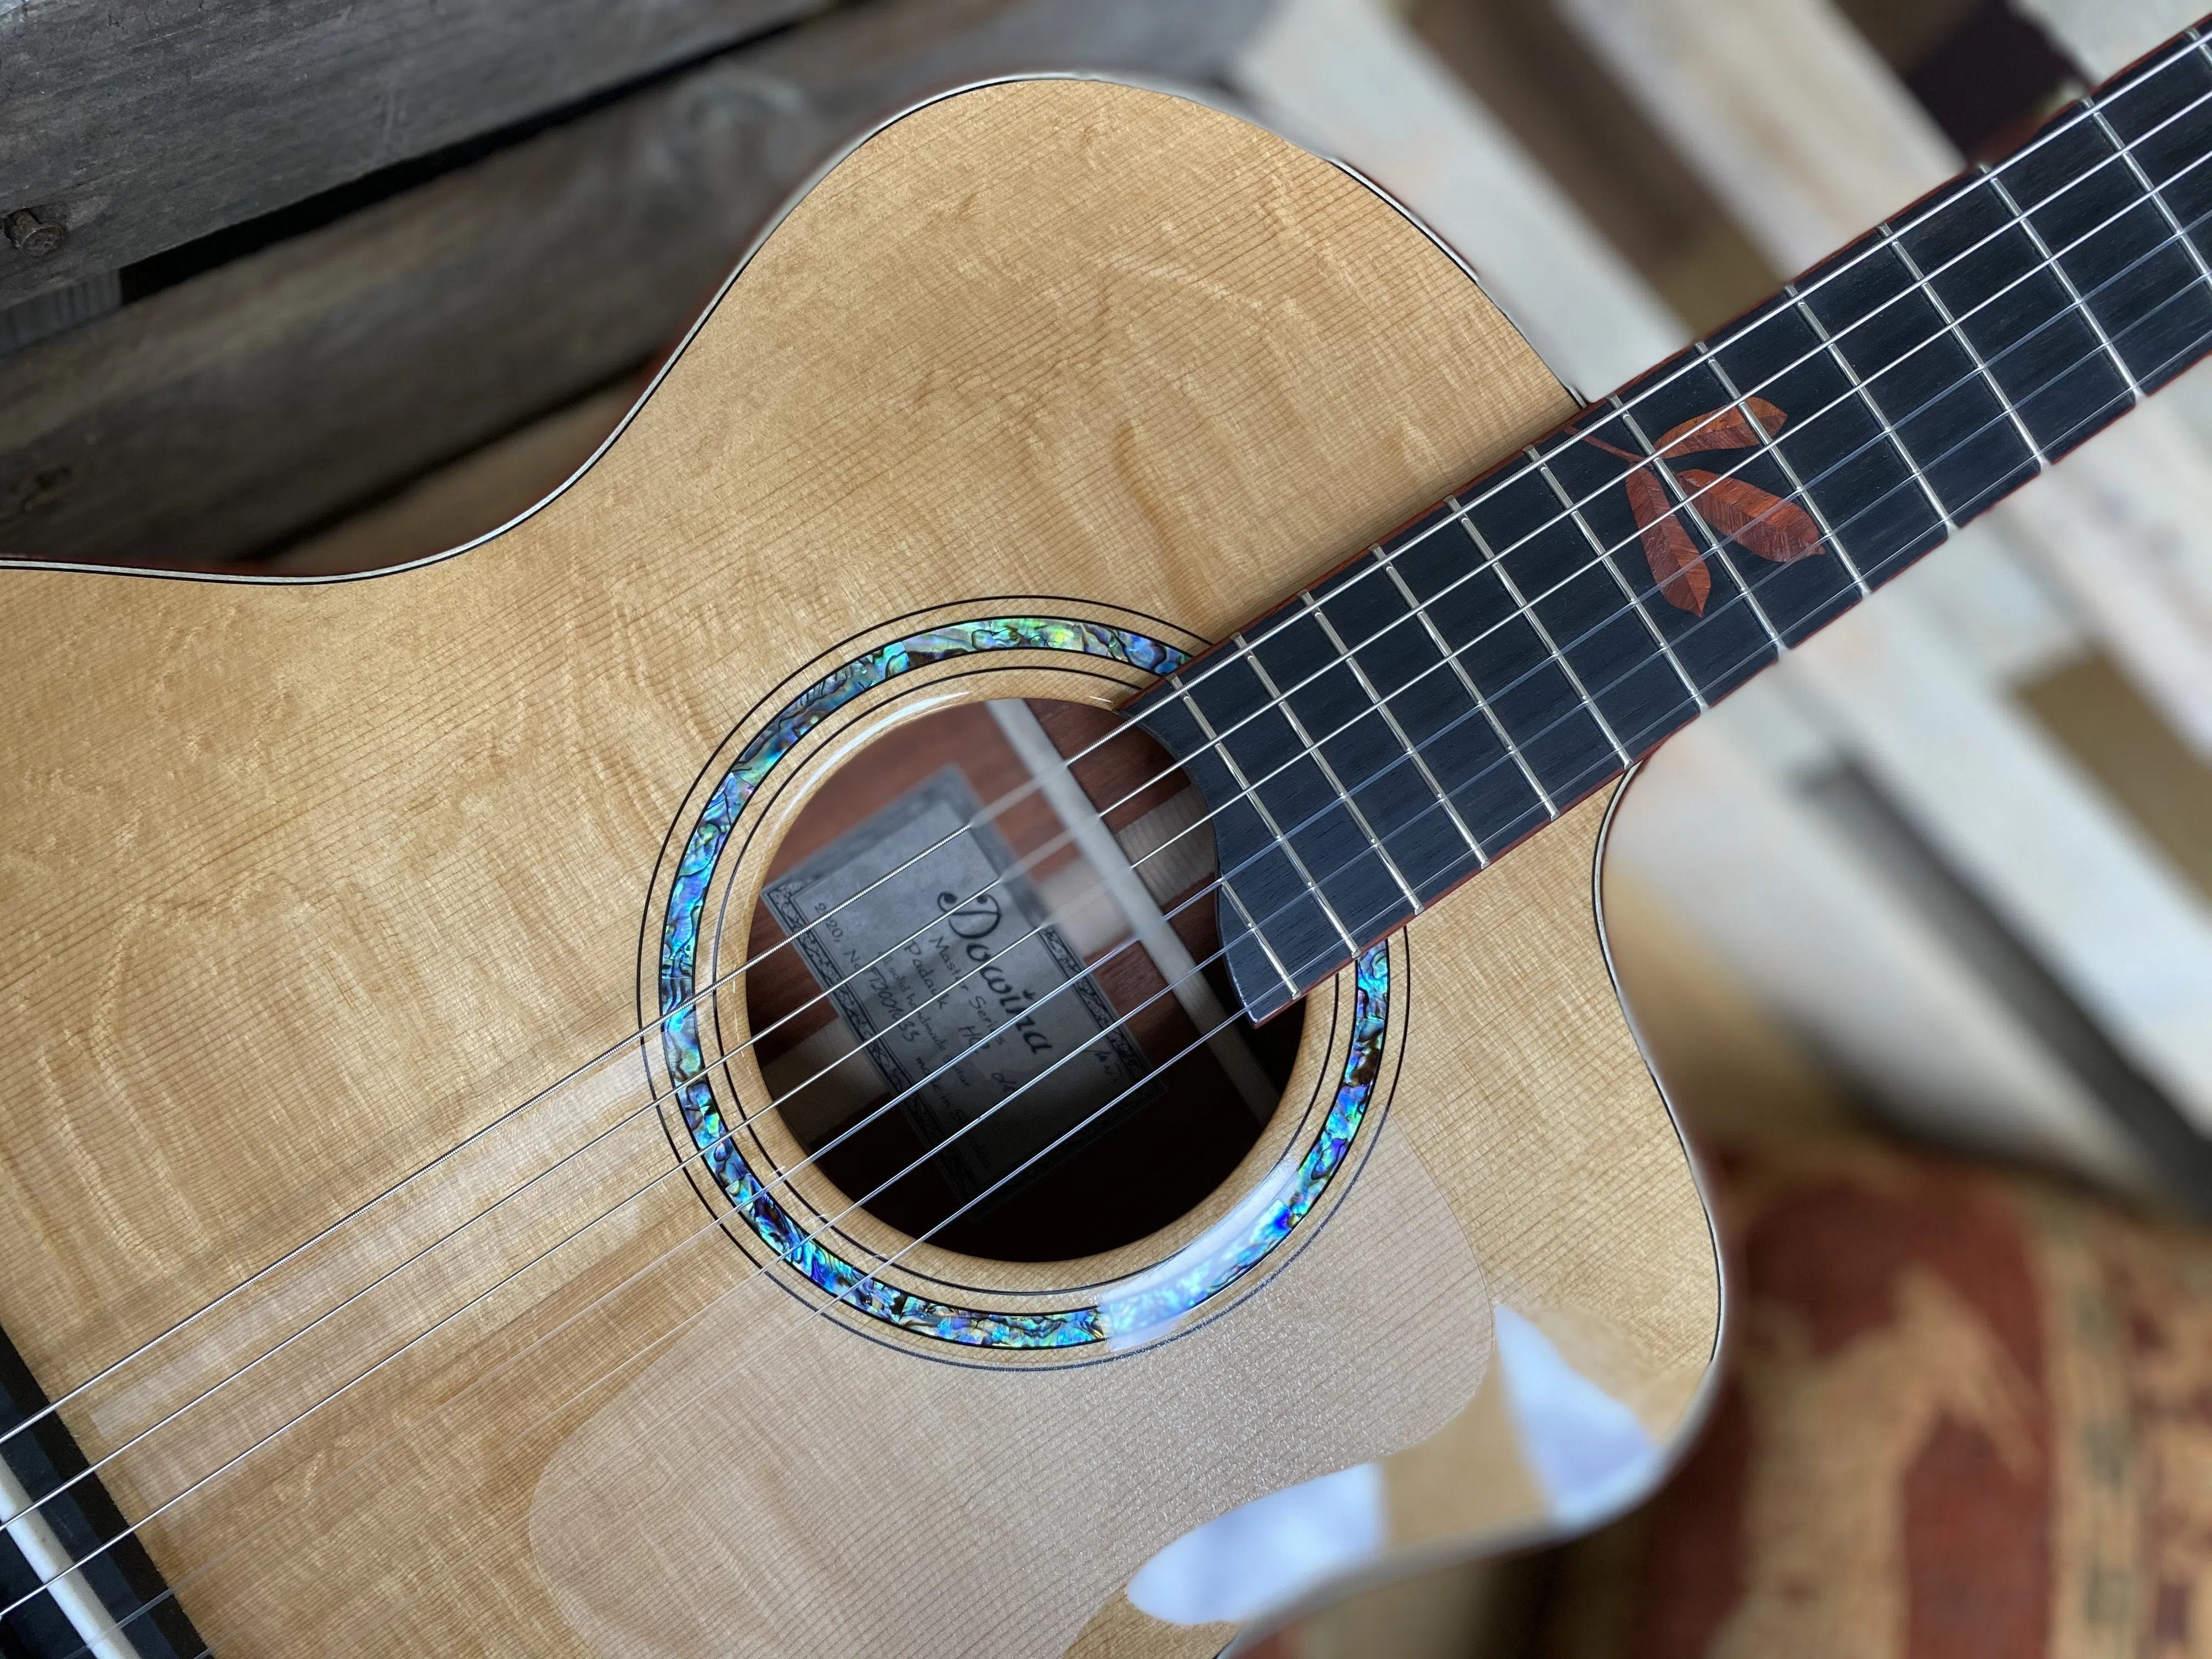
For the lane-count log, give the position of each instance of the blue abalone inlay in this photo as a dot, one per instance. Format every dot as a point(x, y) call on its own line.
point(1134, 1307)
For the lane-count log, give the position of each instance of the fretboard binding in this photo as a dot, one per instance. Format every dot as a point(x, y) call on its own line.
point(1382, 707)
point(1329, 771)
point(1973, 352)
point(1636, 603)
point(1770, 445)
point(1897, 441)
point(1466, 680)
point(1247, 791)
point(1551, 646)
point(1688, 506)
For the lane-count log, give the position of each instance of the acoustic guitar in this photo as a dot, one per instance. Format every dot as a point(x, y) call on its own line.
point(853, 1037)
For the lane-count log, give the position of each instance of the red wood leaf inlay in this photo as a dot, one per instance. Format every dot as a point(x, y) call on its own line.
point(1676, 564)
point(1723, 429)
point(1753, 518)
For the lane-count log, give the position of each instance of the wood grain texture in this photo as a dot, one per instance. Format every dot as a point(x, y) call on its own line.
point(303, 883)
point(242, 408)
point(137, 130)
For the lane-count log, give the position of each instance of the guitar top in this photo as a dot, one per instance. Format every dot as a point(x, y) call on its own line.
point(844, 1035)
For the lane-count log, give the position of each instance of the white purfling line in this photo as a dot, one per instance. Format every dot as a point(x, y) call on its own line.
point(1415, 608)
point(1247, 793)
point(1951, 322)
point(1684, 503)
point(1405, 742)
point(1605, 558)
point(1329, 772)
point(1896, 438)
point(1772, 445)
point(2204, 340)
point(2202, 47)
point(2043, 250)
point(1513, 592)
point(2199, 42)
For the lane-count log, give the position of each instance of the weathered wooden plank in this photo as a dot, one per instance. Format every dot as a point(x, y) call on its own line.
point(131, 129)
point(238, 409)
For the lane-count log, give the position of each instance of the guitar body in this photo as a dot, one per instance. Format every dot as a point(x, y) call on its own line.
point(305, 883)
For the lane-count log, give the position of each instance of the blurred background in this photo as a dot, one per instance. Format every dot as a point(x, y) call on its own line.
point(1918, 927)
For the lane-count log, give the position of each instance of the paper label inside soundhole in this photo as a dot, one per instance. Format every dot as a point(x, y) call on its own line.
point(939, 956)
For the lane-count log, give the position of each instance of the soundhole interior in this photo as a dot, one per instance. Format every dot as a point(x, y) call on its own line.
point(970, 1024)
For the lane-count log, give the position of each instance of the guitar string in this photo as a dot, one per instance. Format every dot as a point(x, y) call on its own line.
point(436, 1245)
point(824, 1306)
point(717, 1224)
point(2032, 446)
point(2086, 111)
point(1401, 689)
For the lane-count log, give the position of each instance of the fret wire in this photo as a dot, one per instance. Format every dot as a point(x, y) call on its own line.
point(133, 1530)
point(2154, 192)
point(1636, 603)
point(1382, 708)
point(1973, 352)
point(2050, 260)
point(1942, 513)
point(1845, 263)
point(1513, 592)
point(1305, 737)
point(1467, 680)
point(1259, 938)
point(1688, 507)
point(1249, 792)
point(1769, 445)
point(1828, 343)
point(1239, 907)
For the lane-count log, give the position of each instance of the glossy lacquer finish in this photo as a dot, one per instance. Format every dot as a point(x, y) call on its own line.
point(1388, 733)
point(1046, 389)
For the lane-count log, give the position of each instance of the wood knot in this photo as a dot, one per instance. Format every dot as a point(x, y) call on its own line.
point(28, 232)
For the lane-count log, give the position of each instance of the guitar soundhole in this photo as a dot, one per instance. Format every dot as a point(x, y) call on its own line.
point(966, 1014)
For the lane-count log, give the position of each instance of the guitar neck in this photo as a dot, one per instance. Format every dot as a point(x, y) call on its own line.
point(1396, 728)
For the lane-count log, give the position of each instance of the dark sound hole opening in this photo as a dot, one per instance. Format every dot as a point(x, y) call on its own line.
point(990, 1002)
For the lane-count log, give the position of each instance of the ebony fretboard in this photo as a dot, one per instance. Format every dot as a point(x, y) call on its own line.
point(1383, 736)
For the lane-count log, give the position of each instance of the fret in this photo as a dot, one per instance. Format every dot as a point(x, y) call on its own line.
point(1941, 409)
point(1276, 934)
point(2114, 241)
point(1415, 715)
point(1251, 934)
point(1605, 558)
point(2159, 116)
point(1415, 608)
point(1412, 733)
point(1411, 753)
point(1245, 788)
point(1542, 564)
point(1322, 693)
point(1713, 635)
point(1552, 646)
point(1335, 782)
point(1995, 182)
point(1966, 339)
point(1798, 491)
point(2156, 195)
point(1858, 385)
point(1715, 552)
point(1523, 683)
